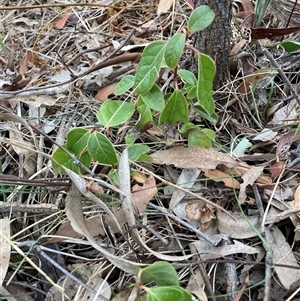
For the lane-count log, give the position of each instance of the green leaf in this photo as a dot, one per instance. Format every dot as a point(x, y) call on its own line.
point(174, 50)
point(187, 127)
point(212, 118)
point(124, 84)
point(168, 293)
point(149, 66)
point(76, 144)
point(206, 73)
point(101, 149)
point(145, 158)
point(154, 98)
point(145, 113)
point(192, 93)
point(136, 150)
point(210, 134)
point(114, 112)
point(187, 76)
point(200, 18)
point(161, 272)
point(175, 110)
point(77, 140)
point(62, 158)
point(197, 138)
point(288, 46)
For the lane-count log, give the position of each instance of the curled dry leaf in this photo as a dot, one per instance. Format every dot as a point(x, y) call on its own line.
point(199, 211)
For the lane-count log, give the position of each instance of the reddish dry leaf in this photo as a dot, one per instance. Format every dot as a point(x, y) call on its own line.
point(276, 168)
point(103, 93)
point(248, 6)
point(193, 157)
point(285, 142)
point(271, 33)
point(62, 22)
point(28, 59)
point(220, 176)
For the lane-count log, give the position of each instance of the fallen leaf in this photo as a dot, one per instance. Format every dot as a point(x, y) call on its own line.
point(193, 157)
point(220, 176)
point(196, 210)
point(297, 197)
point(164, 6)
point(271, 33)
point(249, 178)
point(282, 253)
point(104, 92)
point(62, 22)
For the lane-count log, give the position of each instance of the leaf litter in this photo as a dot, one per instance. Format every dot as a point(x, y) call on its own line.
point(50, 79)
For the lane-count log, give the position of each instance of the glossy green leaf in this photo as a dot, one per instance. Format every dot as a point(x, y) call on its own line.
point(76, 143)
point(197, 138)
point(206, 74)
point(136, 150)
point(161, 272)
point(200, 18)
point(115, 112)
point(101, 149)
point(174, 50)
point(149, 67)
point(168, 293)
point(124, 84)
point(187, 76)
point(175, 110)
point(63, 159)
point(154, 98)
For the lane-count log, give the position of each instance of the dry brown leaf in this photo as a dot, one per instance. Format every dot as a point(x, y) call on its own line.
point(297, 197)
point(249, 178)
point(193, 157)
point(198, 211)
point(104, 92)
point(164, 6)
point(94, 187)
point(220, 176)
point(143, 194)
